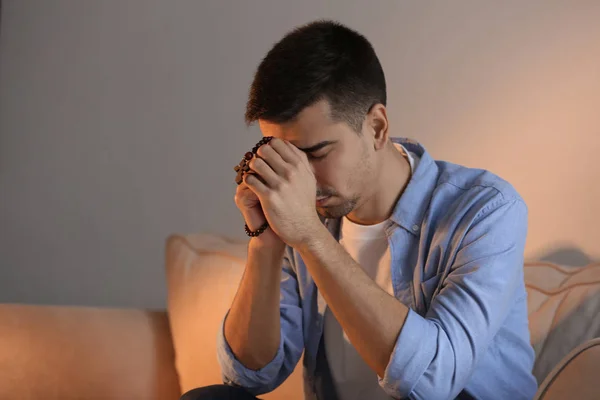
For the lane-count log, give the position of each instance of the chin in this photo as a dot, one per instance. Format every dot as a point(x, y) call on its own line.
point(337, 211)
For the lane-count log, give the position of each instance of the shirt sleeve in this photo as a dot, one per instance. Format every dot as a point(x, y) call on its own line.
point(434, 356)
point(290, 348)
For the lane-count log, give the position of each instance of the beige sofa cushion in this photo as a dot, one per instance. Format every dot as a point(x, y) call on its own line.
point(64, 353)
point(576, 376)
point(564, 310)
point(203, 274)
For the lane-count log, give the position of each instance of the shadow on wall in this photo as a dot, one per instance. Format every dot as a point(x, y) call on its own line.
point(566, 255)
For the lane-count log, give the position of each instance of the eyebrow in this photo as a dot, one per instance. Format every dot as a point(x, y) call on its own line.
point(317, 146)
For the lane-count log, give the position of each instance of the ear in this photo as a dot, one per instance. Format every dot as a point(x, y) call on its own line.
point(377, 125)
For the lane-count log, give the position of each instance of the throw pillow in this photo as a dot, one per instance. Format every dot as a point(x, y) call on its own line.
point(203, 274)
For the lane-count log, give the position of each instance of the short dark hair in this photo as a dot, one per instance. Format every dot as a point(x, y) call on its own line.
point(316, 61)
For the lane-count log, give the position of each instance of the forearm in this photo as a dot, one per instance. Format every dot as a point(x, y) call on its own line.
point(371, 318)
point(252, 327)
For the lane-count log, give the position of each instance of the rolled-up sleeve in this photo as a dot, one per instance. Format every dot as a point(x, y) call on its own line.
point(290, 349)
point(434, 355)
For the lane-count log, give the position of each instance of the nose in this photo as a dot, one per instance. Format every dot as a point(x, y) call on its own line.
point(312, 168)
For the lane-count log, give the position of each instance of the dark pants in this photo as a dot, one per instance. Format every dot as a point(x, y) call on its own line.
point(218, 392)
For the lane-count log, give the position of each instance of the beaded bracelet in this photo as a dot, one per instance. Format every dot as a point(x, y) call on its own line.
point(256, 232)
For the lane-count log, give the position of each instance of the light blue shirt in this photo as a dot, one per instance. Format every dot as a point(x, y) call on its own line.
point(456, 243)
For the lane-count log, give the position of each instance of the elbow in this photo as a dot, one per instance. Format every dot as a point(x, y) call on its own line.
point(432, 395)
point(426, 362)
point(252, 381)
point(431, 371)
point(253, 361)
point(422, 389)
point(405, 390)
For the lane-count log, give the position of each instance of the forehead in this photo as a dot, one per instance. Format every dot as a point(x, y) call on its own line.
point(311, 125)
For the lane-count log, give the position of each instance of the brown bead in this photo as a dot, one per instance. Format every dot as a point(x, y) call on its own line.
point(248, 156)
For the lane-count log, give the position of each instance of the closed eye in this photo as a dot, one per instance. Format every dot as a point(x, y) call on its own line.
point(311, 157)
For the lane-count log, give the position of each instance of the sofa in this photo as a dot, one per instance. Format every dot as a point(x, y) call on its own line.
point(60, 352)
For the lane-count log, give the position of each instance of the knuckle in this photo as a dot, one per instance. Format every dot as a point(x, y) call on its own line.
point(271, 197)
point(289, 173)
point(277, 184)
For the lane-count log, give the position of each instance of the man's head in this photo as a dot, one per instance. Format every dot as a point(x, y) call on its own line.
point(322, 88)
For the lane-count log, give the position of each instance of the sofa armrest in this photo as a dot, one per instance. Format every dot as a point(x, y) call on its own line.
point(575, 377)
point(53, 352)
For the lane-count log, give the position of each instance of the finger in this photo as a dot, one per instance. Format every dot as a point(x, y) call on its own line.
point(241, 188)
point(273, 158)
point(282, 147)
point(263, 169)
point(299, 153)
point(242, 192)
point(254, 184)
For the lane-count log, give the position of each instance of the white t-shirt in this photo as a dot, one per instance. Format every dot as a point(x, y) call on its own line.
point(368, 246)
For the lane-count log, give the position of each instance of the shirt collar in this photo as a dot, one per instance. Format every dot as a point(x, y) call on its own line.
point(412, 205)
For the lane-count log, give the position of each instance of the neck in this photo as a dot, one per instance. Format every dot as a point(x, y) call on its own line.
point(393, 175)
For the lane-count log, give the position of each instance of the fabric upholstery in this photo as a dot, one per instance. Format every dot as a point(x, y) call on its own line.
point(64, 353)
point(576, 376)
point(564, 310)
point(203, 274)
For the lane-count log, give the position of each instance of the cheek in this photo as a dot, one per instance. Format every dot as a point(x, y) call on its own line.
point(334, 172)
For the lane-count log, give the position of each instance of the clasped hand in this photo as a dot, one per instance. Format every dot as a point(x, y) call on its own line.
point(286, 190)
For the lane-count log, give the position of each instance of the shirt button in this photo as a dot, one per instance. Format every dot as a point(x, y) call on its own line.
point(415, 228)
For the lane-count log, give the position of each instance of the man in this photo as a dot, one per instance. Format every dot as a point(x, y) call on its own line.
point(397, 275)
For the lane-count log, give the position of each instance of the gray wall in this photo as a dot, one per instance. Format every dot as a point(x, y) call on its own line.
point(120, 121)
